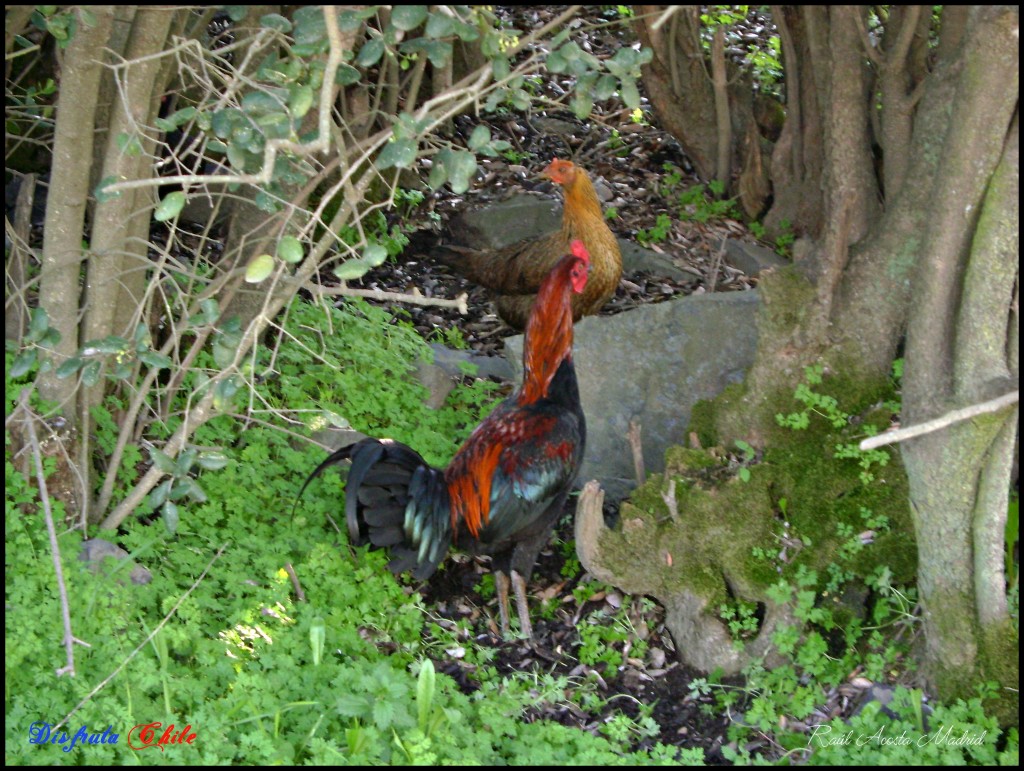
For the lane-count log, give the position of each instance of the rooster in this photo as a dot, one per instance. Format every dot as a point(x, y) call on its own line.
point(504, 489)
point(516, 272)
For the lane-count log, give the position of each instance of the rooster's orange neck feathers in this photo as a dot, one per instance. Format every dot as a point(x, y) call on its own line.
point(548, 333)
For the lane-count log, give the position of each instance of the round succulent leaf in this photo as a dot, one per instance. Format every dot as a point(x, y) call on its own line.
point(407, 17)
point(374, 255)
point(290, 250)
point(400, 153)
point(259, 268)
point(170, 206)
point(481, 136)
point(370, 53)
point(301, 100)
point(352, 269)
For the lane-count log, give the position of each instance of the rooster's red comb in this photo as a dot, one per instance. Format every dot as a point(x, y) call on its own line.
point(579, 250)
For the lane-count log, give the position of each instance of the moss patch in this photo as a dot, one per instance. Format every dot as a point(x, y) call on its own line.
point(803, 508)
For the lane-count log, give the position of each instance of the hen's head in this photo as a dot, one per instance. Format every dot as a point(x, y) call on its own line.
point(561, 172)
point(580, 266)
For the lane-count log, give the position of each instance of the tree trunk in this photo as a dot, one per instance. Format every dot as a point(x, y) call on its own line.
point(932, 253)
point(961, 350)
point(69, 192)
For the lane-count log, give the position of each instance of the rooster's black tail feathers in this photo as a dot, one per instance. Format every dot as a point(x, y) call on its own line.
point(394, 499)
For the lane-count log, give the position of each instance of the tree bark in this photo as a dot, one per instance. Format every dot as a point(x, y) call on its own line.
point(960, 348)
point(69, 192)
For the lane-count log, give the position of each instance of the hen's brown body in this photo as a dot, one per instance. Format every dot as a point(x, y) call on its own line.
point(516, 272)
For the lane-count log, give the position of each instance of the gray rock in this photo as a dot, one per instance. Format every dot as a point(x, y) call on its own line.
point(653, 364)
point(441, 375)
point(95, 550)
point(635, 258)
point(751, 258)
point(506, 222)
point(451, 360)
point(334, 438)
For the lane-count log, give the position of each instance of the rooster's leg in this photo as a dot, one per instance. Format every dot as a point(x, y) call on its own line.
point(501, 586)
point(519, 587)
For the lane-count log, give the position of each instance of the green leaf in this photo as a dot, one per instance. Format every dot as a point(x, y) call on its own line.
point(440, 25)
point(352, 269)
point(121, 369)
point(37, 326)
point(290, 250)
point(481, 136)
point(195, 491)
point(262, 103)
point(425, 693)
point(370, 53)
point(210, 310)
point(91, 373)
point(346, 75)
point(69, 367)
point(461, 167)
point(155, 360)
point(301, 100)
point(224, 394)
point(100, 192)
point(317, 636)
point(500, 67)
point(108, 345)
point(336, 420)
point(581, 105)
point(630, 93)
point(259, 268)
point(212, 461)
point(310, 25)
point(605, 87)
point(556, 62)
point(162, 461)
point(407, 17)
point(276, 21)
point(400, 153)
point(171, 517)
point(170, 206)
point(142, 338)
point(23, 363)
point(438, 175)
point(160, 493)
point(374, 255)
point(129, 144)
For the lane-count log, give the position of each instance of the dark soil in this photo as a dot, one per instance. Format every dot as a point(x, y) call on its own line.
point(650, 682)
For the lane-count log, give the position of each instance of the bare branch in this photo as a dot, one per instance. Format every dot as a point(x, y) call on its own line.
point(414, 298)
point(633, 435)
point(670, 11)
point(929, 426)
point(44, 498)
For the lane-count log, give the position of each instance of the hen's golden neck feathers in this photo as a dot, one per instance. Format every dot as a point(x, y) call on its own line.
point(581, 202)
point(549, 330)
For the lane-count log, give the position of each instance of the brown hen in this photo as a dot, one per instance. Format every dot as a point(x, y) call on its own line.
point(515, 272)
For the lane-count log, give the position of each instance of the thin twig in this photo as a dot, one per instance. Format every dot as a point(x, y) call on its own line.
point(102, 684)
point(633, 435)
point(669, 496)
point(668, 14)
point(299, 594)
point(415, 297)
point(44, 496)
point(929, 426)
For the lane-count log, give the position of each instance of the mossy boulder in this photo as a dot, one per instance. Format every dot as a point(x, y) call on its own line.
point(700, 537)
